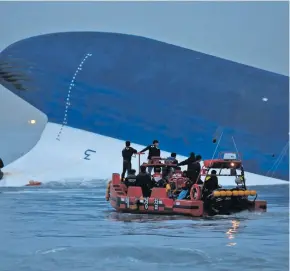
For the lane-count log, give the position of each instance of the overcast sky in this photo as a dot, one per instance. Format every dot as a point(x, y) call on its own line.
point(254, 33)
point(17, 135)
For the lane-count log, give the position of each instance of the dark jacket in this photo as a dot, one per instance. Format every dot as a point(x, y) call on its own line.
point(210, 184)
point(153, 151)
point(196, 168)
point(189, 162)
point(130, 180)
point(144, 180)
point(127, 153)
point(1, 174)
point(193, 171)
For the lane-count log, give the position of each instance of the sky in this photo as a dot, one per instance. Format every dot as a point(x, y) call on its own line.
point(17, 134)
point(253, 33)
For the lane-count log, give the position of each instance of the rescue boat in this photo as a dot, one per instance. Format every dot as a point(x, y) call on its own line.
point(163, 201)
point(34, 183)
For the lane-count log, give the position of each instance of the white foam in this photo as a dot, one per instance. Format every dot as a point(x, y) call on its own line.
point(54, 160)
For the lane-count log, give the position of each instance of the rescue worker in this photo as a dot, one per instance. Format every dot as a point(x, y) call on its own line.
point(157, 178)
point(157, 174)
point(193, 167)
point(239, 180)
point(130, 180)
point(127, 153)
point(191, 159)
point(166, 172)
point(210, 184)
point(196, 170)
point(144, 181)
point(153, 151)
point(172, 159)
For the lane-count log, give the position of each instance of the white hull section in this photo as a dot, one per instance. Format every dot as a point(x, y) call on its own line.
point(64, 160)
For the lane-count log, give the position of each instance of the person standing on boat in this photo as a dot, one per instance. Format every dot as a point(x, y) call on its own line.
point(127, 153)
point(153, 151)
point(193, 166)
point(196, 170)
point(144, 181)
point(189, 161)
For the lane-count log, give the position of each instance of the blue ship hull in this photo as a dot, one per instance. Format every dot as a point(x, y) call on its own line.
point(133, 88)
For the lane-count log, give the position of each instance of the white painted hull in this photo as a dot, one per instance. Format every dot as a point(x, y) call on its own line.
point(57, 160)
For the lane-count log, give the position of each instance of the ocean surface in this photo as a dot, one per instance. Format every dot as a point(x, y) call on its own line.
point(69, 226)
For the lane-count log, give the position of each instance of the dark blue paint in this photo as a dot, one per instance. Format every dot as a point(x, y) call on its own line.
point(140, 89)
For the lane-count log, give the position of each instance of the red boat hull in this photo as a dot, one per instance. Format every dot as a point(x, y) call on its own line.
point(131, 201)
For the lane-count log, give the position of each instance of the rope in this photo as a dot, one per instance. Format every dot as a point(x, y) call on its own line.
point(217, 145)
point(278, 160)
point(235, 145)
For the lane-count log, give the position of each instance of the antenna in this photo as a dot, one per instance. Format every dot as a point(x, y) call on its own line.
point(278, 160)
point(235, 145)
point(217, 145)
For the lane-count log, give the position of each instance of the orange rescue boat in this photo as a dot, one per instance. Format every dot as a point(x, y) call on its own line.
point(131, 199)
point(34, 183)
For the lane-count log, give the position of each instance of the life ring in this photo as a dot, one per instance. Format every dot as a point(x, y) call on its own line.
point(108, 191)
point(195, 192)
